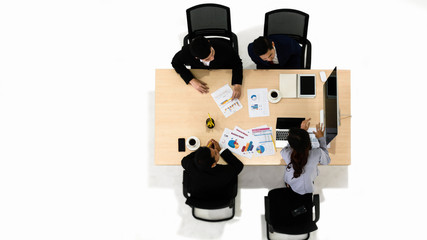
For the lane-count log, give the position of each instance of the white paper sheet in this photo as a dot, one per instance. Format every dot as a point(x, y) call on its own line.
point(258, 102)
point(223, 98)
point(264, 144)
point(256, 141)
point(237, 143)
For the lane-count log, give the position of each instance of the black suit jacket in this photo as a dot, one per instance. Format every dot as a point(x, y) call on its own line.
point(225, 58)
point(288, 50)
point(215, 183)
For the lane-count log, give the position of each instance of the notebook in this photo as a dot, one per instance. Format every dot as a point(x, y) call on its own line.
point(288, 85)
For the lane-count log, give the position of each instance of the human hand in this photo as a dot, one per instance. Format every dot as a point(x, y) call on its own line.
point(237, 89)
point(200, 86)
point(305, 124)
point(214, 144)
point(320, 130)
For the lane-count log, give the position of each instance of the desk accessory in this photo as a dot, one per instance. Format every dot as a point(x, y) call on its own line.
point(274, 96)
point(193, 143)
point(210, 123)
point(323, 76)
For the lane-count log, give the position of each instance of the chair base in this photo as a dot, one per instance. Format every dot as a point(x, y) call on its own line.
point(271, 235)
point(213, 215)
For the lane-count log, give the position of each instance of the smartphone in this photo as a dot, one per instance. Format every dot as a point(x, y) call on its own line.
point(299, 211)
point(181, 144)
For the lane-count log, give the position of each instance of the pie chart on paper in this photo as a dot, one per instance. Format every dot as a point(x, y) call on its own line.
point(260, 149)
point(233, 144)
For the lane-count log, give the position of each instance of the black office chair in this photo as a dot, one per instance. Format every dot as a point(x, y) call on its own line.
point(209, 210)
point(292, 23)
point(211, 21)
point(290, 213)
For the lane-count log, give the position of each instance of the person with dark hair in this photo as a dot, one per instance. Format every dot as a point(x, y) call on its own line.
point(276, 52)
point(202, 53)
point(302, 160)
point(210, 180)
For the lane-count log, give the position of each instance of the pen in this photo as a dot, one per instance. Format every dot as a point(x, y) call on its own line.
point(226, 101)
point(210, 123)
point(209, 144)
point(273, 143)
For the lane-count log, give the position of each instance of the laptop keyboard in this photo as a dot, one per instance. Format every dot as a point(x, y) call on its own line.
point(282, 135)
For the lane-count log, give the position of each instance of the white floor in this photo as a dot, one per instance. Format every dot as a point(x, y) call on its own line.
point(77, 120)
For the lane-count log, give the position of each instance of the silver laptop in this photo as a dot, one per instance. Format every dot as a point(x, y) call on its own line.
point(282, 131)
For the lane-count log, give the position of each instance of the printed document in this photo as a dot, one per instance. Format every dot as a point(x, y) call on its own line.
point(246, 143)
point(258, 102)
point(225, 102)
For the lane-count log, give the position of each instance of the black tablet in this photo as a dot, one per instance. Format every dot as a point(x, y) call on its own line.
point(306, 86)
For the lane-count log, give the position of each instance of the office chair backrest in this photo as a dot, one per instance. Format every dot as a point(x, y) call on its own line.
point(208, 17)
point(212, 21)
point(286, 21)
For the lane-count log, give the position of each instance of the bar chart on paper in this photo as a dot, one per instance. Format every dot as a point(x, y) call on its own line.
point(223, 98)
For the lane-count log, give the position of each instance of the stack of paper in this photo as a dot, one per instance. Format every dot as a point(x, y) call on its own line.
point(256, 141)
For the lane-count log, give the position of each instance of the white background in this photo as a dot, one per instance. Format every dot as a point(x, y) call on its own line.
point(77, 120)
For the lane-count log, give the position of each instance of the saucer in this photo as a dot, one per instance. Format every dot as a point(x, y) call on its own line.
point(195, 146)
point(274, 100)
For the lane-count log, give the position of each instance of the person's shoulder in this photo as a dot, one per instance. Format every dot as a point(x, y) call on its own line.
point(315, 154)
point(251, 46)
point(185, 49)
point(188, 161)
point(287, 149)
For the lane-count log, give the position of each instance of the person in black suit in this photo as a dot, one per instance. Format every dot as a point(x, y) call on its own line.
point(276, 52)
point(208, 54)
point(210, 180)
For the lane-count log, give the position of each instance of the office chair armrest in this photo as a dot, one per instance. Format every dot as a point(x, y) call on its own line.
point(308, 59)
point(316, 203)
point(184, 184)
point(267, 209)
point(235, 42)
point(186, 40)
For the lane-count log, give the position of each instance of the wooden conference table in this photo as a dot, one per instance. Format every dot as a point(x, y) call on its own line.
point(181, 112)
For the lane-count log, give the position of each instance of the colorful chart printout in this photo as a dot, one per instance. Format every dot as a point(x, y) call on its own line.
point(258, 102)
point(223, 98)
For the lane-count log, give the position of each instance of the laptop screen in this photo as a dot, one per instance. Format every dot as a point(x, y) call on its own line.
point(288, 123)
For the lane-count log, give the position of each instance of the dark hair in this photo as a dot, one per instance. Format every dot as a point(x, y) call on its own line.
point(262, 45)
point(200, 47)
point(299, 140)
point(203, 158)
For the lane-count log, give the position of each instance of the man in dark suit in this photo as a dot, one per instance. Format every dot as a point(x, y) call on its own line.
point(276, 52)
point(208, 54)
point(209, 180)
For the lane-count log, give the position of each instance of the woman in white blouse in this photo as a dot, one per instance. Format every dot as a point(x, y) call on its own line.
point(302, 160)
